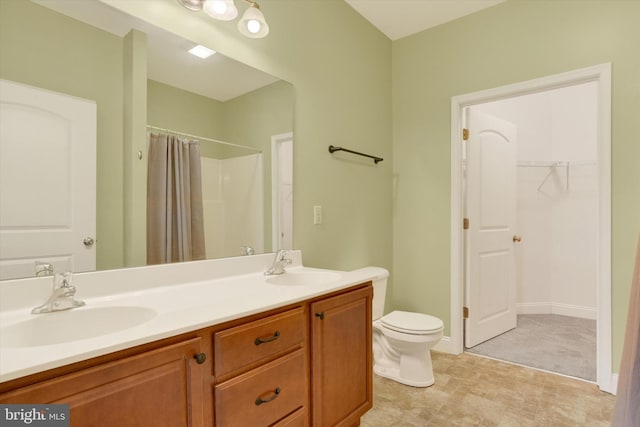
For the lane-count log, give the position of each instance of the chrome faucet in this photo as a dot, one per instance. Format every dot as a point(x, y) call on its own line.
point(279, 263)
point(247, 250)
point(62, 296)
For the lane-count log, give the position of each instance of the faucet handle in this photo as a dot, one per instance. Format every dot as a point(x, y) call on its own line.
point(281, 254)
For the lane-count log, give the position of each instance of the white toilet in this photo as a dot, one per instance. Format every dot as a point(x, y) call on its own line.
point(402, 340)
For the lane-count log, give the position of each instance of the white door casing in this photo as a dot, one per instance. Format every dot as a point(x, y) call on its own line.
point(282, 191)
point(606, 379)
point(491, 208)
point(47, 180)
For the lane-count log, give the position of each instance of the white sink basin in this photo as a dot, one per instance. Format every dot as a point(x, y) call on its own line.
point(72, 325)
point(296, 278)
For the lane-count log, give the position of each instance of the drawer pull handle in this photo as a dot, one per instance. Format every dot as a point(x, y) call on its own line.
point(200, 358)
point(274, 337)
point(320, 315)
point(260, 400)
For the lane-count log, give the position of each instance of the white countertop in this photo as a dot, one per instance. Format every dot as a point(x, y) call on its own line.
point(194, 303)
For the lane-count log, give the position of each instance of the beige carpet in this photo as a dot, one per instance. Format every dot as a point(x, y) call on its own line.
point(555, 343)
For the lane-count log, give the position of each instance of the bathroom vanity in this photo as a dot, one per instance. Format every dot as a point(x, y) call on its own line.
point(296, 353)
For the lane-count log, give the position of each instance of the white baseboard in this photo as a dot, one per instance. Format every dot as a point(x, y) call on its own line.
point(557, 308)
point(610, 386)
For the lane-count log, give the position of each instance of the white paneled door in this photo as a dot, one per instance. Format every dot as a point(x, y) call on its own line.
point(490, 291)
point(47, 180)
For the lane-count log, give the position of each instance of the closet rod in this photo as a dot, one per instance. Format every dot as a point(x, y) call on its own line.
point(376, 160)
point(188, 135)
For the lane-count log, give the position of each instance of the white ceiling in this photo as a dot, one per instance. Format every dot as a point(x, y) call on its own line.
point(401, 18)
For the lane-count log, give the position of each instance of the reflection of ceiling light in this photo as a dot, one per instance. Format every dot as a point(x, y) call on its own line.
point(201, 51)
point(252, 24)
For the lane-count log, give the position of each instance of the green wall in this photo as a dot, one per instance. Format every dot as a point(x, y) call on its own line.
point(172, 108)
point(512, 42)
point(42, 48)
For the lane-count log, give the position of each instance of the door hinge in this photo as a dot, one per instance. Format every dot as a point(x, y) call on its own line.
point(465, 312)
point(465, 134)
point(465, 224)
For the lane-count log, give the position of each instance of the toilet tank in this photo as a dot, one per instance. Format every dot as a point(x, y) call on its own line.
point(379, 277)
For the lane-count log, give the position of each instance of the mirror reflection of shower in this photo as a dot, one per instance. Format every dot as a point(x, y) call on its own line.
point(232, 193)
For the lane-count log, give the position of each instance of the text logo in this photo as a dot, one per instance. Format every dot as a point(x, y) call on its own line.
point(34, 415)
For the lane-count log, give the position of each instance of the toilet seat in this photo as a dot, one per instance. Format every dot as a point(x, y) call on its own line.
point(412, 323)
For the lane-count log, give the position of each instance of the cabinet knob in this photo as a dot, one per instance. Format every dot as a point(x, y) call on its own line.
point(320, 315)
point(200, 358)
point(260, 400)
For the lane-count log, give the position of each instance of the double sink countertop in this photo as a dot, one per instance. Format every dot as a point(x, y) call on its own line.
point(129, 307)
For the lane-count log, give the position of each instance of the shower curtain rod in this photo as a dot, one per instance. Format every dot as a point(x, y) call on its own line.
point(175, 132)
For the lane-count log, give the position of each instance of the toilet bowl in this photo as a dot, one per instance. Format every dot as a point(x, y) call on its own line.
point(402, 340)
point(402, 343)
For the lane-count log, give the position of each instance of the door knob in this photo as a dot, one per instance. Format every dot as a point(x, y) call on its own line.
point(88, 241)
point(517, 238)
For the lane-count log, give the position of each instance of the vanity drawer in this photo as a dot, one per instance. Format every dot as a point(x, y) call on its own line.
point(263, 395)
point(257, 341)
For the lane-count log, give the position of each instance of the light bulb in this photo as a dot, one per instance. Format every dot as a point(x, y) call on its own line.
point(219, 6)
point(224, 10)
point(253, 26)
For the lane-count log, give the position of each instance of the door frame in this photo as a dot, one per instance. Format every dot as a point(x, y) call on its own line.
point(606, 380)
point(276, 140)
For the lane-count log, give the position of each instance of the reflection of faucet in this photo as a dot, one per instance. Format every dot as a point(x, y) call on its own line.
point(44, 268)
point(247, 250)
point(62, 296)
point(279, 263)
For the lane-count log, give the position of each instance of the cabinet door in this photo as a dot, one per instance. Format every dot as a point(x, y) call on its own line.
point(161, 387)
point(341, 358)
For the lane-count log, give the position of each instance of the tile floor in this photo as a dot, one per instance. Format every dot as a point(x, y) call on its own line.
point(472, 390)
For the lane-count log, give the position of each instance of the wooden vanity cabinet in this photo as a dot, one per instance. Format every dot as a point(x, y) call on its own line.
point(307, 364)
point(161, 387)
point(261, 371)
point(341, 358)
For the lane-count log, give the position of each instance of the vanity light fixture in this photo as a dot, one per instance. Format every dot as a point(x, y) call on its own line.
point(252, 23)
point(201, 51)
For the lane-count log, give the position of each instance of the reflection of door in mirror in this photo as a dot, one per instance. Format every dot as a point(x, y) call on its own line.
point(47, 180)
point(282, 190)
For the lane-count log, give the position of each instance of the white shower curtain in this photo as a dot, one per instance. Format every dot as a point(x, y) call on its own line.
point(627, 409)
point(175, 230)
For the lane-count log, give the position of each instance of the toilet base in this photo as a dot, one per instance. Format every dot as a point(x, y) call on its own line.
point(394, 374)
point(404, 358)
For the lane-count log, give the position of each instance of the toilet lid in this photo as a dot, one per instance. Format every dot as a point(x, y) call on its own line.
point(411, 323)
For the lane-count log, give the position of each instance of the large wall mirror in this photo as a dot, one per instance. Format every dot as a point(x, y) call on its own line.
point(242, 119)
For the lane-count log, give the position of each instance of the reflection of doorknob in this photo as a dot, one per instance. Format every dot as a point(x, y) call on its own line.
point(517, 238)
point(88, 241)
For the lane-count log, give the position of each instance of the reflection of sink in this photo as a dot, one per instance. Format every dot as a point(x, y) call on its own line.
point(293, 278)
point(72, 325)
